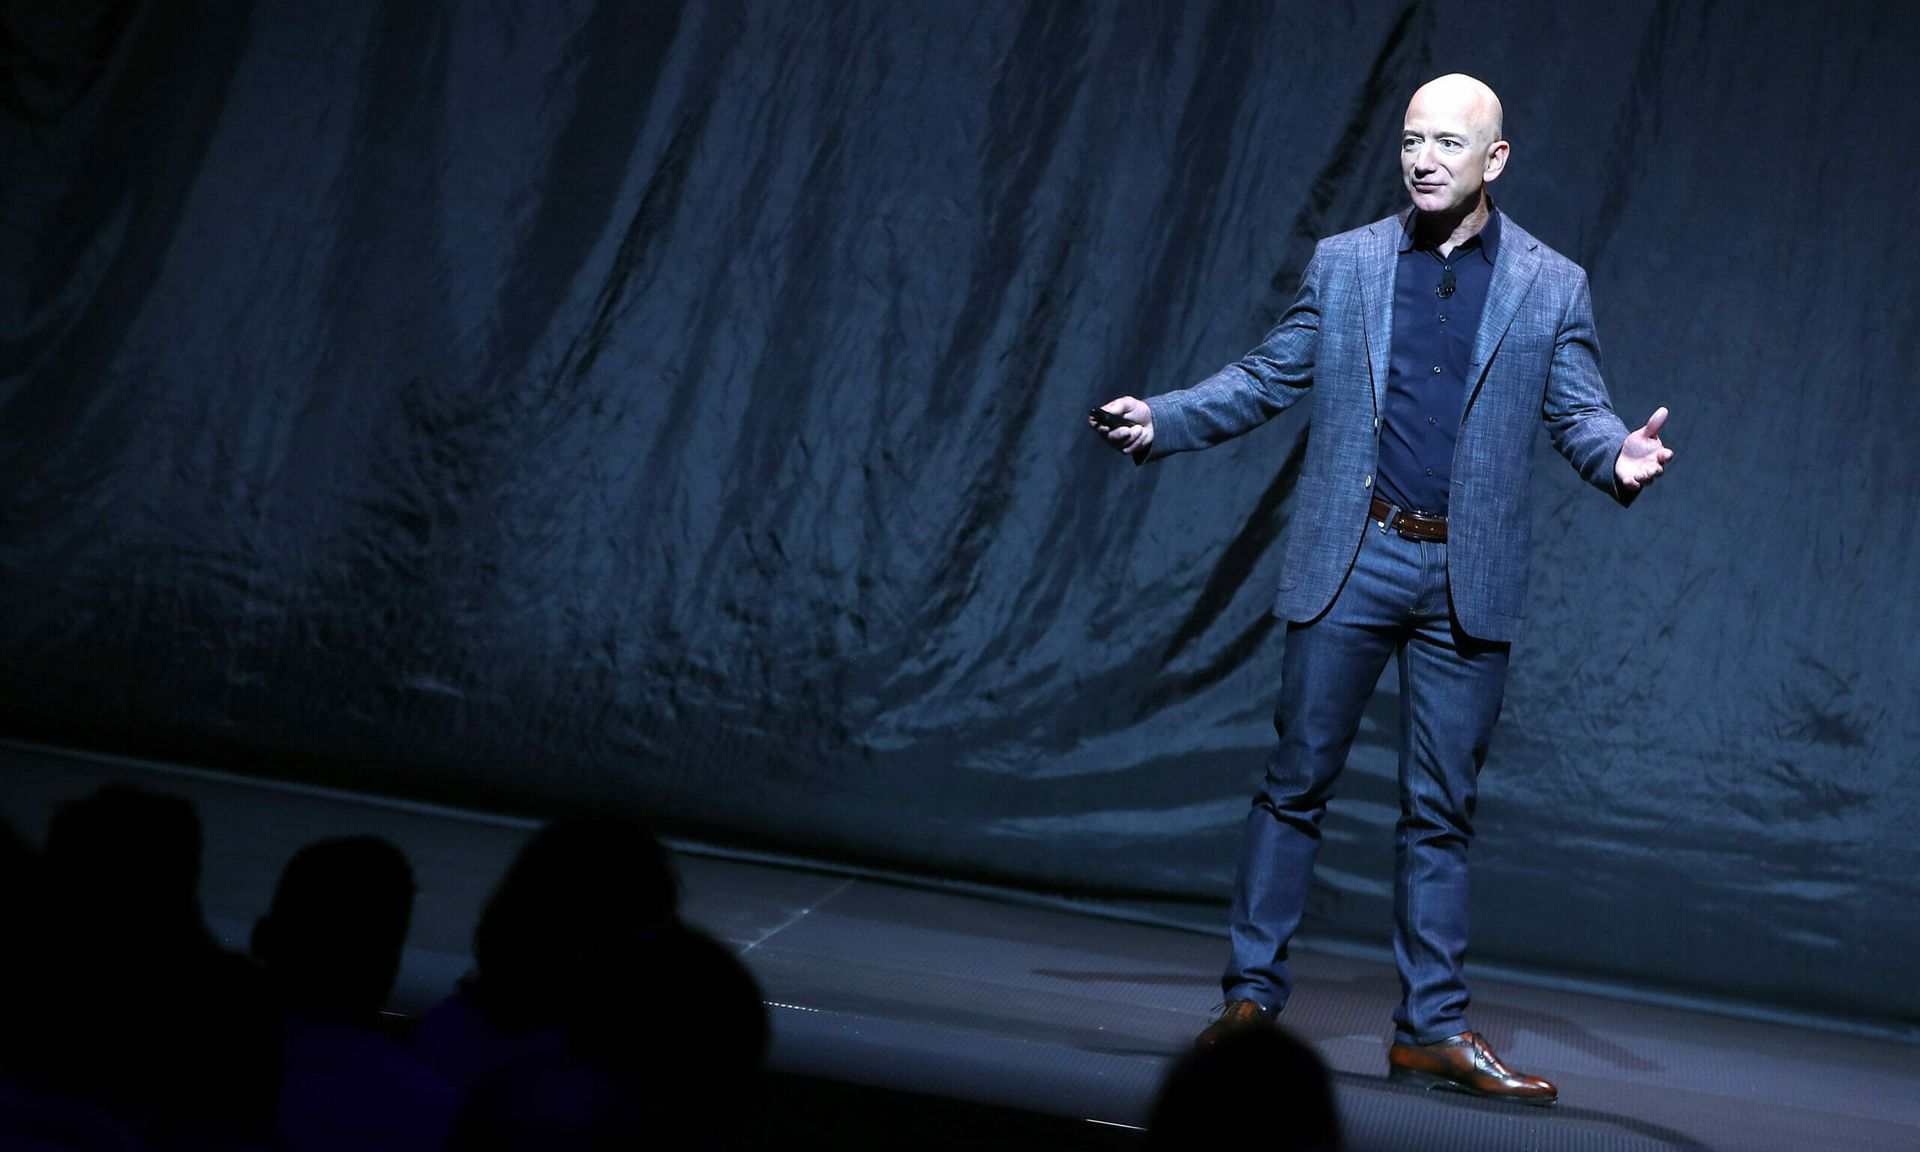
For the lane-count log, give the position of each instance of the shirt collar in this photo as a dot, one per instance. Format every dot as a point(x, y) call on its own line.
point(1488, 236)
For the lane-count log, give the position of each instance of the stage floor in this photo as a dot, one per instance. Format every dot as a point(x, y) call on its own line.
point(1066, 1014)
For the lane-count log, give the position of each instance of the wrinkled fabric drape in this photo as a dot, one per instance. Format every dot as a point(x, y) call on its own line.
point(682, 406)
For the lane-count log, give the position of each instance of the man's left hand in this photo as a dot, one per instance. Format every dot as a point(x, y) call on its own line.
point(1643, 457)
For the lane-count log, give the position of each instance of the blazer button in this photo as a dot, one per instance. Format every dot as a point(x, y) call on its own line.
point(1367, 483)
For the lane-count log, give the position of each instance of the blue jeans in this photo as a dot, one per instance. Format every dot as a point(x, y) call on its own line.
point(1394, 603)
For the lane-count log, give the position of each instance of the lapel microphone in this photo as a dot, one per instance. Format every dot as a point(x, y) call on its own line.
point(1446, 282)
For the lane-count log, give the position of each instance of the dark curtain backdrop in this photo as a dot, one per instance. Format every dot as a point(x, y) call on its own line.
point(681, 406)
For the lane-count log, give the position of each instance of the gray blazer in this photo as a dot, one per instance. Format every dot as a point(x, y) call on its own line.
point(1536, 358)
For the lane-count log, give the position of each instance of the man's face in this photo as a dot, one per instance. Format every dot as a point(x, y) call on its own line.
point(1448, 152)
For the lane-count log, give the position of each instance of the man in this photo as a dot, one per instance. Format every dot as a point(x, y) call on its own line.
point(1432, 342)
point(332, 943)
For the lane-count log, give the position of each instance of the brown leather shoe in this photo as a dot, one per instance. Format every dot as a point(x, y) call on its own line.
point(1238, 1014)
point(1465, 1063)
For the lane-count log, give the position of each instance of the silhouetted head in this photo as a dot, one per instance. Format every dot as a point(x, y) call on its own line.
point(575, 882)
point(124, 865)
point(338, 924)
point(1256, 1088)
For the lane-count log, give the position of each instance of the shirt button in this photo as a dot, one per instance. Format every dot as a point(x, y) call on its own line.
point(1429, 419)
point(1436, 369)
point(1429, 471)
point(1443, 319)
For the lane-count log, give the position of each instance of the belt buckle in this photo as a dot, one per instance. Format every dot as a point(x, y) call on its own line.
point(1403, 518)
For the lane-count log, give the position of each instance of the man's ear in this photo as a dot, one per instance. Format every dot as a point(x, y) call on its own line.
point(1496, 159)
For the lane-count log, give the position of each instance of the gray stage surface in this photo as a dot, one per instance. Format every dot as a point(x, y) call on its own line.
point(1051, 1010)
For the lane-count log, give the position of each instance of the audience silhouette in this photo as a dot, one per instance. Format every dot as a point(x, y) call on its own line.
point(23, 914)
point(36, 1116)
point(664, 1033)
point(1257, 1088)
point(333, 937)
point(147, 1017)
point(593, 1018)
point(331, 944)
point(575, 883)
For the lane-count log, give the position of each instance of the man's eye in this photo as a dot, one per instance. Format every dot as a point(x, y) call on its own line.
point(1450, 145)
point(1409, 144)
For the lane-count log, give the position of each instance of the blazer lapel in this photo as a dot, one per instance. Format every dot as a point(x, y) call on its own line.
point(1376, 291)
point(1513, 271)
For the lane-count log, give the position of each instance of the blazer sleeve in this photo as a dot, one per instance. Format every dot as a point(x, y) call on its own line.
point(1576, 409)
point(1253, 389)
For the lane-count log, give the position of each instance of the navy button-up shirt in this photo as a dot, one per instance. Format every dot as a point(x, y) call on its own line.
point(1436, 314)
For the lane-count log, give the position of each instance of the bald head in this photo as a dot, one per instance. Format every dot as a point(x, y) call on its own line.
point(1450, 150)
point(1460, 96)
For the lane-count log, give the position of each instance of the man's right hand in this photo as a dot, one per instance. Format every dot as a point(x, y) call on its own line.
point(1136, 435)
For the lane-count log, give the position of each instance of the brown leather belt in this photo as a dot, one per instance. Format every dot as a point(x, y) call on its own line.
point(1412, 525)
